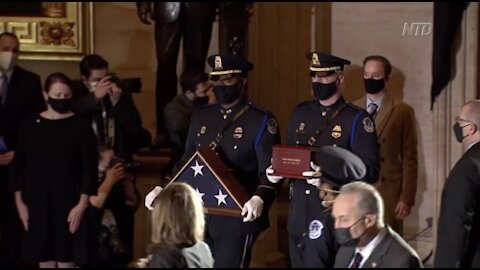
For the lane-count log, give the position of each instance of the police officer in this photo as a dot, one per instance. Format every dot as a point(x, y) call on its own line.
point(243, 135)
point(327, 120)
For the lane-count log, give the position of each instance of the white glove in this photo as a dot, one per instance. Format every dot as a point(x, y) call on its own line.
point(315, 181)
point(272, 178)
point(252, 208)
point(151, 196)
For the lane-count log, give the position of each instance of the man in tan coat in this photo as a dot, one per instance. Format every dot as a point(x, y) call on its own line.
point(395, 125)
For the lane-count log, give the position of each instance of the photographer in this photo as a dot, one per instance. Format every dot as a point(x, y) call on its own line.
point(111, 109)
point(112, 212)
point(117, 124)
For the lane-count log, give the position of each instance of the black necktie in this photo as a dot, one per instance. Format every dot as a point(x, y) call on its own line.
point(357, 260)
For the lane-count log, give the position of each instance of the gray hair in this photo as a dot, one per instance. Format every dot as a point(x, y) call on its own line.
point(472, 111)
point(369, 199)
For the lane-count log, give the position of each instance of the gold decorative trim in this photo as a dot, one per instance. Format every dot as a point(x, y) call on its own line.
point(224, 72)
point(325, 68)
point(63, 31)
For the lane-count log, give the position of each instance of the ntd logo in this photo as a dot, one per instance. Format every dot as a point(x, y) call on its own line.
point(417, 29)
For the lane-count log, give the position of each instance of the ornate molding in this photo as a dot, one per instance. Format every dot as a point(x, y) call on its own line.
point(63, 31)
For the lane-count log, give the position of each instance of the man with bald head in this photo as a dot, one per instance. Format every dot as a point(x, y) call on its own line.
point(458, 243)
point(366, 242)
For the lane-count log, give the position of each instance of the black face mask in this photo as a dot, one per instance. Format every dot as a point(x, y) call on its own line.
point(344, 237)
point(457, 129)
point(323, 91)
point(226, 94)
point(200, 101)
point(374, 86)
point(60, 105)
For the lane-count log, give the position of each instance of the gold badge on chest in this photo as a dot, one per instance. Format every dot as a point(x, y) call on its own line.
point(238, 133)
point(203, 129)
point(337, 131)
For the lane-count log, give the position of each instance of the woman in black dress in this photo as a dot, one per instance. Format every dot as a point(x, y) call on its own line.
point(54, 172)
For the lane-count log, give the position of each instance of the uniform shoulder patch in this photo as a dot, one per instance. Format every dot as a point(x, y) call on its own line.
point(272, 126)
point(315, 229)
point(368, 124)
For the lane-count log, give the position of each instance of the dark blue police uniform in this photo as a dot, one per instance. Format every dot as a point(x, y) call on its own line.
point(246, 149)
point(310, 225)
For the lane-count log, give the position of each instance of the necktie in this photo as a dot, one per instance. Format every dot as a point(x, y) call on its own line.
point(3, 88)
point(372, 109)
point(357, 260)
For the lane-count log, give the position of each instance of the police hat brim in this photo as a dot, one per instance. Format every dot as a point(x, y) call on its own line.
point(321, 73)
point(338, 165)
point(224, 76)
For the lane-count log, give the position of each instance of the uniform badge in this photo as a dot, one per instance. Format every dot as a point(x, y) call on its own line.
point(301, 127)
point(315, 229)
point(218, 62)
point(238, 133)
point(203, 129)
point(337, 131)
point(315, 60)
point(272, 126)
point(368, 124)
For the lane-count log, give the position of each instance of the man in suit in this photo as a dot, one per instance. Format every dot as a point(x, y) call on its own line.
point(366, 242)
point(20, 96)
point(397, 136)
point(458, 239)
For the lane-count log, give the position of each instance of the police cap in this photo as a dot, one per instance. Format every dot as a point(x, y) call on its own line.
point(322, 64)
point(227, 66)
point(338, 165)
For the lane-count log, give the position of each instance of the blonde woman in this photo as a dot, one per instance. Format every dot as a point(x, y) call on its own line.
point(178, 219)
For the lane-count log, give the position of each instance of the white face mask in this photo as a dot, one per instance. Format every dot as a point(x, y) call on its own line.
point(92, 86)
point(8, 60)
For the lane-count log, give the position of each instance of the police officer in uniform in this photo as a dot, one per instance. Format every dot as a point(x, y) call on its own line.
point(242, 134)
point(327, 120)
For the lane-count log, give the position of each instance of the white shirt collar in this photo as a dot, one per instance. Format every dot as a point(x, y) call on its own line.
point(472, 144)
point(367, 250)
point(378, 102)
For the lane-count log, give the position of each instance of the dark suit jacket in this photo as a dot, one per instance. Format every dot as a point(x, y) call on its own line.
point(391, 252)
point(458, 240)
point(24, 97)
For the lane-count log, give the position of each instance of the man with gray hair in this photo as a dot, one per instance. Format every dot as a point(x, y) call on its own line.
point(458, 243)
point(366, 242)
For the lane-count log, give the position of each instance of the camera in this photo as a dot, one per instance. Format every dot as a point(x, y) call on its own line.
point(132, 85)
point(132, 167)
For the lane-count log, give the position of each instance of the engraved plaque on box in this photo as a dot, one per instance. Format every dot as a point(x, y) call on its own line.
point(291, 161)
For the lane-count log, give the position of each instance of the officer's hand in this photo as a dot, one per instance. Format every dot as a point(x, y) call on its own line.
point(252, 209)
point(151, 196)
point(272, 178)
point(313, 176)
point(144, 10)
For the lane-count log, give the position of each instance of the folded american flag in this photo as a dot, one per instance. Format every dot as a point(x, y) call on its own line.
point(215, 184)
